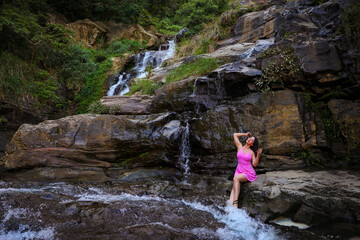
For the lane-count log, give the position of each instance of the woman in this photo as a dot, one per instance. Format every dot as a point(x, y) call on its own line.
point(244, 171)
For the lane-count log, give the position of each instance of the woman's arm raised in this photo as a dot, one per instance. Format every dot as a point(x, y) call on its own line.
point(255, 160)
point(237, 141)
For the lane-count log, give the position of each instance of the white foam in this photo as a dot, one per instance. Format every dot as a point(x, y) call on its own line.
point(109, 198)
point(24, 190)
point(289, 223)
point(24, 233)
point(237, 223)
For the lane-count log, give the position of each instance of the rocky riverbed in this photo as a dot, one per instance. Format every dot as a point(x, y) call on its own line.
point(161, 166)
point(162, 204)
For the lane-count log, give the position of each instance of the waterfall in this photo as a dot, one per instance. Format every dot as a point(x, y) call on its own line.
point(260, 46)
point(185, 150)
point(120, 86)
point(143, 61)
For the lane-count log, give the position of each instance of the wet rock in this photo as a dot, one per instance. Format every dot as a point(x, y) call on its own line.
point(180, 35)
point(174, 96)
point(93, 141)
point(229, 81)
point(347, 114)
point(63, 174)
point(294, 23)
point(255, 25)
point(131, 105)
point(231, 52)
point(280, 120)
point(308, 197)
point(318, 57)
point(275, 119)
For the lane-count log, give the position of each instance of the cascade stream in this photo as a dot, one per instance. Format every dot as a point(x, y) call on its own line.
point(152, 59)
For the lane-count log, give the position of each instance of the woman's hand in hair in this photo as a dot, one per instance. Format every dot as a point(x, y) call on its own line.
point(248, 134)
point(259, 151)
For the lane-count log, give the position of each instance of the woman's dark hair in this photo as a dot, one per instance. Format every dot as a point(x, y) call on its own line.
point(255, 147)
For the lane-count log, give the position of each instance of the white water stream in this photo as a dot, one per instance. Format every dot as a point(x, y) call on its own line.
point(235, 223)
point(143, 61)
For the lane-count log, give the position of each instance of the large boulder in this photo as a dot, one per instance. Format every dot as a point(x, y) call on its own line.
point(307, 197)
point(132, 105)
point(255, 25)
point(91, 140)
point(278, 120)
point(318, 56)
point(174, 96)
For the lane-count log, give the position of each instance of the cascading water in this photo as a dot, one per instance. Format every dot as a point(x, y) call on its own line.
point(143, 61)
point(260, 46)
point(185, 150)
point(121, 87)
point(81, 211)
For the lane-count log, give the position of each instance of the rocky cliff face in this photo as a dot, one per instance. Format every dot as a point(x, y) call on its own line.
point(310, 117)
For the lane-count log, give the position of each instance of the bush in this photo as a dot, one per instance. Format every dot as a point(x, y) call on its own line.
point(194, 14)
point(93, 89)
point(283, 65)
point(350, 26)
point(76, 68)
point(117, 47)
point(16, 76)
point(199, 67)
point(144, 86)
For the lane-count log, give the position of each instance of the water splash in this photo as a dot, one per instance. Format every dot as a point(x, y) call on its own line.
point(24, 233)
point(238, 224)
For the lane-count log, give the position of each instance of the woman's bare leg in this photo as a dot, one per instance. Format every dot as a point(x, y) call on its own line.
point(231, 200)
point(238, 179)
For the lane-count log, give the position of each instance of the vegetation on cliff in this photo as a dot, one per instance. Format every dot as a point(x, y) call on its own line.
point(40, 61)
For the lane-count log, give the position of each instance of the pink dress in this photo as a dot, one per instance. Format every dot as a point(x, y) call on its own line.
point(244, 165)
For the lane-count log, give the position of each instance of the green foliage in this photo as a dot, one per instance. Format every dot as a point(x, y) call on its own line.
point(45, 87)
point(96, 108)
point(167, 26)
point(350, 26)
point(93, 89)
point(16, 76)
point(318, 2)
point(144, 86)
point(194, 14)
point(76, 68)
point(284, 64)
point(311, 158)
point(117, 47)
point(204, 46)
point(3, 119)
point(201, 66)
point(332, 129)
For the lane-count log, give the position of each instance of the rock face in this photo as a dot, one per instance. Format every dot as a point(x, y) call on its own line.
point(87, 32)
point(276, 119)
point(127, 105)
point(95, 141)
point(347, 115)
point(122, 31)
point(90, 33)
point(174, 96)
point(255, 25)
point(319, 57)
point(307, 197)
